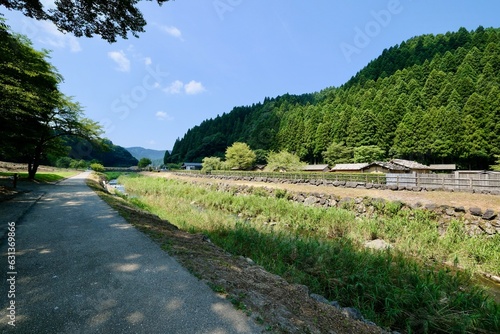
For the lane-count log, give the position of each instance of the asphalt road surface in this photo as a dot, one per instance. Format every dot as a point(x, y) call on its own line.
point(81, 268)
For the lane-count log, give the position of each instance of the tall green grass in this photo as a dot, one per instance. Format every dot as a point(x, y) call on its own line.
point(111, 175)
point(406, 288)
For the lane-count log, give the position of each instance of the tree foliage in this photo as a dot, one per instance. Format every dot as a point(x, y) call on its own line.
point(338, 153)
point(97, 167)
point(67, 162)
point(433, 98)
point(108, 19)
point(261, 156)
point(283, 162)
point(166, 157)
point(102, 150)
point(240, 156)
point(35, 117)
point(368, 154)
point(496, 166)
point(144, 162)
point(211, 163)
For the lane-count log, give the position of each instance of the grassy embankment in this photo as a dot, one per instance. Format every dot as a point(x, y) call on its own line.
point(405, 288)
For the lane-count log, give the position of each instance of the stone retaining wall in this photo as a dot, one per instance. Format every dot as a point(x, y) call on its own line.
point(476, 220)
point(343, 184)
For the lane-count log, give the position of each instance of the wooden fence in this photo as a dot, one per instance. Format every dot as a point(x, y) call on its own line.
point(456, 181)
point(460, 180)
point(323, 176)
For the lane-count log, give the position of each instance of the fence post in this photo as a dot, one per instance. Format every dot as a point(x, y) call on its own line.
point(470, 183)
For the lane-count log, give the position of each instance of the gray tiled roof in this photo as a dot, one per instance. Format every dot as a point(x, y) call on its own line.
point(389, 165)
point(314, 167)
point(409, 164)
point(358, 166)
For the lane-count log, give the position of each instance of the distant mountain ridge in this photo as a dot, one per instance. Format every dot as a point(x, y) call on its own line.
point(116, 156)
point(141, 152)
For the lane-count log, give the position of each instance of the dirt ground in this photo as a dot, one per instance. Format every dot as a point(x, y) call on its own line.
point(454, 199)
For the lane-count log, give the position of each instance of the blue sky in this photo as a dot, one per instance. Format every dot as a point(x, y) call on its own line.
point(200, 58)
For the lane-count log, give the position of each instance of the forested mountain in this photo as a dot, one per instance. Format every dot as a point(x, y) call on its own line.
point(109, 154)
point(434, 99)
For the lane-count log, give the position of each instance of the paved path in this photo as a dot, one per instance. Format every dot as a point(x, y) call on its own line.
point(81, 268)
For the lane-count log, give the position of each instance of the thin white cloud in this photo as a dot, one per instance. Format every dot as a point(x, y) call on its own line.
point(174, 88)
point(191, 88)
point(121, 60)
point(194, 87)
point(74, 45)
point(163, 116)
point(172, 31)
point(56, 38)
point(147, 61)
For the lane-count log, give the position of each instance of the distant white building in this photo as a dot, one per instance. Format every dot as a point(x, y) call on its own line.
point(449, 168)
point(192, 165)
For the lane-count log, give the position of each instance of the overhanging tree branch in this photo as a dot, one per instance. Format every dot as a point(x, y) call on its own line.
point(108, 19)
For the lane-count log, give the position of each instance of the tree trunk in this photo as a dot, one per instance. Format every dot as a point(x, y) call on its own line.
point(32, 169)
point(34, 163)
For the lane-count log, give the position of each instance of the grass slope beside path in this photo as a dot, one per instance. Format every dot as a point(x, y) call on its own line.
point(321, 248)
point(281, 306)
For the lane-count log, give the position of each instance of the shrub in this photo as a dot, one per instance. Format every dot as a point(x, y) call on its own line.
point(78, 164)
point(144, 162)
point(97, 167)
point(211, 163)
point(240, 156)
point(63, 162)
